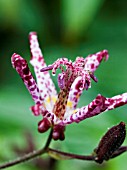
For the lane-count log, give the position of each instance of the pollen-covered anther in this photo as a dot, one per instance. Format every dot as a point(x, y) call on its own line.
point(44, 125)
point(58, 132)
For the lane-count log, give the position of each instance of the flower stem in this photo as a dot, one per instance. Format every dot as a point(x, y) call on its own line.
point(28, 156)
point(24, 158)
point(48, 140)
point(66, 155)
point(56, 154)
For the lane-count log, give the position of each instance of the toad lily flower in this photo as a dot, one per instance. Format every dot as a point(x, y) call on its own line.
point(59, 110)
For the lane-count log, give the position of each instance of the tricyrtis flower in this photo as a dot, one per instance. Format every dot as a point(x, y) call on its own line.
point(58, 110)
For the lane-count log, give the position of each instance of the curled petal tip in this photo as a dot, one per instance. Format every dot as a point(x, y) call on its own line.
point(32, 33)
point(16, 60)
point(105, 52)
point(13, 54)
point(13, 57)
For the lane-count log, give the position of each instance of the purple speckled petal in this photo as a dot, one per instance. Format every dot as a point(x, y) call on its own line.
point(80, 83)
point(97, 106)
point(22, 68)
point(74, 94)
point(39, 109)
point(44, 81)
point(93, 61)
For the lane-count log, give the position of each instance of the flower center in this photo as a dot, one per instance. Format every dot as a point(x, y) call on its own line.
point(65, 80)
point(61, 103)
point(69, 72)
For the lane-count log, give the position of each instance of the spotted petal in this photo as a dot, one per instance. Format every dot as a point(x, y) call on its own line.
point(44, 81)
point(90, 64)
point(39, 109)
point(93, 61)
point(74, 94)
point(97, 106)
point(22, 68)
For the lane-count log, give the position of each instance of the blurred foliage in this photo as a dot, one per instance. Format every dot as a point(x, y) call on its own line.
point(77, 16)
point(65, 28)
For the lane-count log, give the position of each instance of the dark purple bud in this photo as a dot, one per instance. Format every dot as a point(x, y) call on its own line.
point(110, 142)
point(58, 132)
point(44, 125)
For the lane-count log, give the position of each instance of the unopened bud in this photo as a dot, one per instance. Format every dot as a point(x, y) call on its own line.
point(58, 132)
point(110, 142)
point(44, 125)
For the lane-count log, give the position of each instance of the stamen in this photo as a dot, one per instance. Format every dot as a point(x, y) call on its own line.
point(50, 67)
point(93, 77)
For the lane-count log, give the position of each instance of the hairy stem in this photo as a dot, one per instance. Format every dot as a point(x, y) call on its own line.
point(57, 154)
point(48, 140)
point(24, 158)
point(28, 156)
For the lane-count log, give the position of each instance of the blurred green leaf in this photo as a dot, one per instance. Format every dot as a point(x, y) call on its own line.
point(77, 16)
point(21, 15)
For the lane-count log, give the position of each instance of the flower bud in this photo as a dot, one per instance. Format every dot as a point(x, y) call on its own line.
point(44, 125)
point(110, 142)
point(58, 132)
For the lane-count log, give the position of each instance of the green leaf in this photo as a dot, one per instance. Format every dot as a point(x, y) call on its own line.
point(78, 14)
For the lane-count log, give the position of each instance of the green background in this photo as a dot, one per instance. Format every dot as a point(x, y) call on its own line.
point(67, 28)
